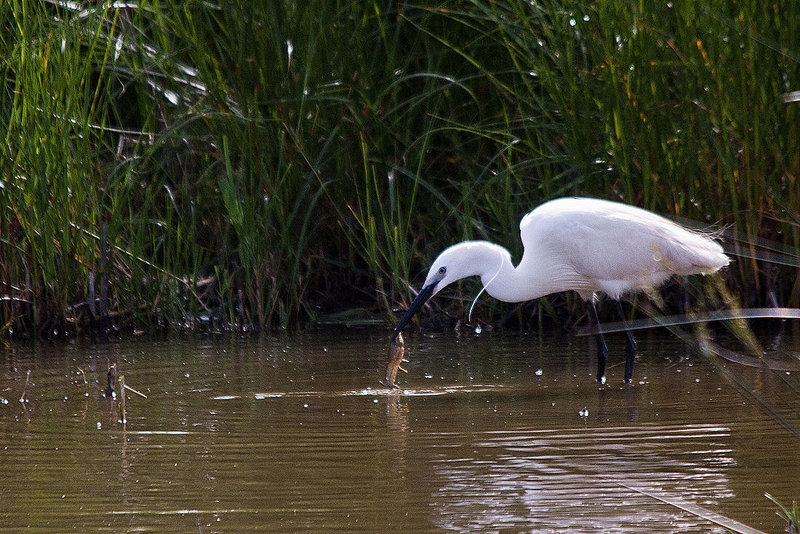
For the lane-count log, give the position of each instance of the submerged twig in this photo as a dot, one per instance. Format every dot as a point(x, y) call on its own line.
point(25, 387)
point(122, 388)
point(126, 386)
point(111, 379)
point(122, 399)
point(85, 382)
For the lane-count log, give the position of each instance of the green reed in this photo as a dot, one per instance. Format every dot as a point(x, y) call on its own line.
point(261, 165)
point(790, 515)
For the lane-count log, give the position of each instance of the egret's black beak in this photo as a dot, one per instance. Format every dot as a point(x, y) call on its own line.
point(422, 297)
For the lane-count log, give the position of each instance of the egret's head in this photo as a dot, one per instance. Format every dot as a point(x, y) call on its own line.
point(454, 263)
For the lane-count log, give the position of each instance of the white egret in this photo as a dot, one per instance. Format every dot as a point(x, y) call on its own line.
point(585, 245)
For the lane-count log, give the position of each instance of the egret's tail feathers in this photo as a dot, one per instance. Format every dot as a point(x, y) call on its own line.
point(705, 255)
point(719, 261)
point(686, 252)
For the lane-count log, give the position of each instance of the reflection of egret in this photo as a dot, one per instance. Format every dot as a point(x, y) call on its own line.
point(581, 244)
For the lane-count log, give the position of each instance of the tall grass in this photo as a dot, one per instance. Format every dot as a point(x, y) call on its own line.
point(790, 515)
point(260, 165)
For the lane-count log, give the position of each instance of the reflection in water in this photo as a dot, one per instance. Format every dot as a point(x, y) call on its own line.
point(397, 418)
point(525, 479)
point(295, 433)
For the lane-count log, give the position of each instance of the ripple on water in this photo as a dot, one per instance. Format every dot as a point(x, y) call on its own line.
point(366, 392)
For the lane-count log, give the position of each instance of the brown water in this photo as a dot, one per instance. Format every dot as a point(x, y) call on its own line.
point(489, 432)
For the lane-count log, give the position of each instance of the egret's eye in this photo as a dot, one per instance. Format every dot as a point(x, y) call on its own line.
point(442, 270)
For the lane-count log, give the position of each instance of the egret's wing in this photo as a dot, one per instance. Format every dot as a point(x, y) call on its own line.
point(619, 247)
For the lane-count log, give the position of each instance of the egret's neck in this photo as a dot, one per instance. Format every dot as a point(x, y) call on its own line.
point(502, 280)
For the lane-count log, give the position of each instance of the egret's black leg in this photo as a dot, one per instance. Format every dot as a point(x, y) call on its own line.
point(602, 350)
point(630, 345)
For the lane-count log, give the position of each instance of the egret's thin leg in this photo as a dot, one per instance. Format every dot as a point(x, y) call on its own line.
point(630, 345)
point(602, 350)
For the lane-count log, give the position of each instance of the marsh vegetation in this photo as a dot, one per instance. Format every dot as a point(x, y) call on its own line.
point(243, 166)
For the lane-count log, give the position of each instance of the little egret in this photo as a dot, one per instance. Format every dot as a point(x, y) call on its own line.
point(582, 244)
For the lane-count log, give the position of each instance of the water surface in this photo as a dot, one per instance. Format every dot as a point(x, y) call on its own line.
point(488, 432)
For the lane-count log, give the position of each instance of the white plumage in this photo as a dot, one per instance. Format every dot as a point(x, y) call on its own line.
point(582, 244)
